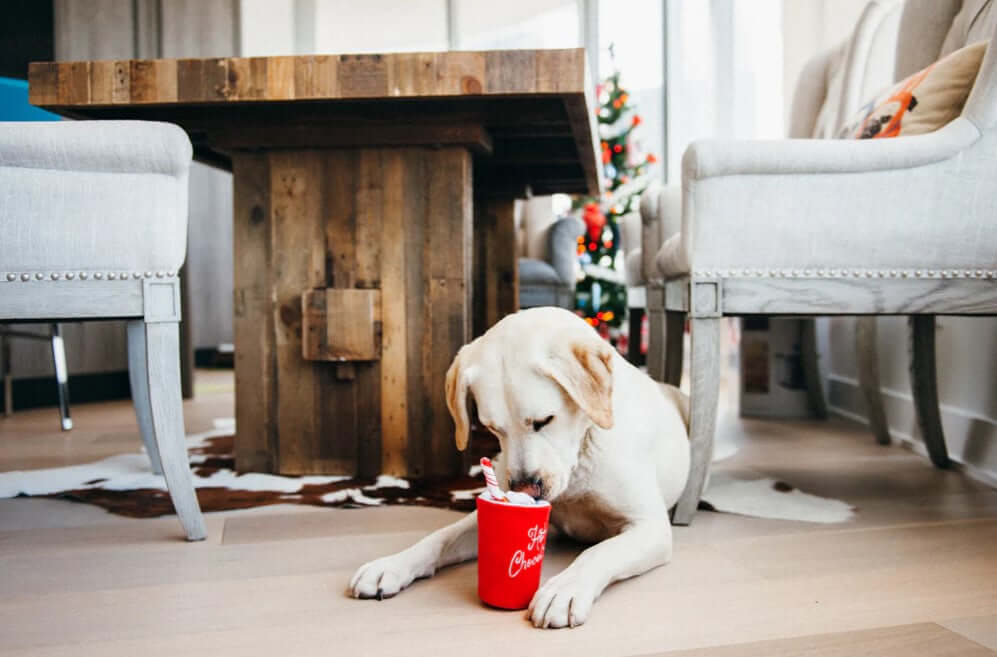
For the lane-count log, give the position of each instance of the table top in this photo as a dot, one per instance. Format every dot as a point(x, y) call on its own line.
point(527, 114)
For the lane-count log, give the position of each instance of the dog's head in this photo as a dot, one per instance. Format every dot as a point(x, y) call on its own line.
point(539, 380)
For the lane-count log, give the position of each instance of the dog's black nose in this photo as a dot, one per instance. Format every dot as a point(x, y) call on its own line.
point(532, 485)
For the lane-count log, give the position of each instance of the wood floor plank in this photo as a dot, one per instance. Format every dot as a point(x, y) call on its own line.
point(981, 629)
point(923, 639)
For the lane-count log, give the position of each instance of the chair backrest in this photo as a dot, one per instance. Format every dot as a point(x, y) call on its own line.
point(834, 84)
point(534, 217)
point(870, 62)
point(931, 29)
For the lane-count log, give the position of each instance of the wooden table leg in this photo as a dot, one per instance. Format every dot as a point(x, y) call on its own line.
point(394, 219)
point(496, 266)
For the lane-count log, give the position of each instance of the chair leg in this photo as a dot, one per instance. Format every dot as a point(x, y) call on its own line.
point(138, 377)
point(8, 381)
point(868, 362)
point(61, 376)
point(811, 368)
point(656, 344)
point(924, 387)
point(162, 377)
point(633, 338)
point(674, 334)
point(704, 372)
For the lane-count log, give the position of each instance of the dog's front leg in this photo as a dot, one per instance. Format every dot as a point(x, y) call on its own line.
point(566, 599)
point(385, 577)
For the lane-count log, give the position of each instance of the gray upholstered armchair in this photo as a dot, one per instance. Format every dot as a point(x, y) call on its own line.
point(809, 227)
point(547, 248)
point(94, 223)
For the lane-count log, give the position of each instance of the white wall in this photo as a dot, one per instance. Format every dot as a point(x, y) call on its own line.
point(266, 27)
point(725, 77)
point(371, 26)
point(485, 24)
point(966, 357)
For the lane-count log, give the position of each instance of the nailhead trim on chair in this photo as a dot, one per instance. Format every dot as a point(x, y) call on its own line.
point(846, 273)
point(11, 277)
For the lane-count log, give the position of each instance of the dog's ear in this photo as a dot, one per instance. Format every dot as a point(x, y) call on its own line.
point(457, 391)
point(584, 368)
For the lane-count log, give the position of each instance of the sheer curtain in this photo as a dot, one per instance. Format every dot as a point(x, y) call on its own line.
point(725, 72)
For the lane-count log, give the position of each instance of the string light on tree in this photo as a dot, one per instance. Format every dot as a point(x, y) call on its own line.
point(600, 296)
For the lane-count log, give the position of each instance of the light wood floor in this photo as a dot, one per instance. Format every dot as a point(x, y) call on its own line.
point(914, 574)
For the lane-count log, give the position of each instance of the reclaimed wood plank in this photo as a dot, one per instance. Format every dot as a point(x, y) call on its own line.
point(367, 204)
point(425, 74)
point(394, 317)
point(101, 81)
point(363, 76)
point(43, 88)
point(298, 263)
point(253, 322)
point(315, 76)
point(463, 75)
point(421, 241)
point(510, 71)
point(121, 91)
point(153, 81)
point(279, 78)
point(339, 324)
point(247, 78)
point(74, 83)
point(496, 271)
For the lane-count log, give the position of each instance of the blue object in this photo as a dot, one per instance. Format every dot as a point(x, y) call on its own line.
point(14, 105)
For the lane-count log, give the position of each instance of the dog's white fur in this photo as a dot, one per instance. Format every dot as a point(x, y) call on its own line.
point(612, 461)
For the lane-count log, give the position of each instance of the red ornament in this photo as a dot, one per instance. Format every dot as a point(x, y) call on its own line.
point(595, 221)
point(617, 148)
point(637, 120)
point(651, 158)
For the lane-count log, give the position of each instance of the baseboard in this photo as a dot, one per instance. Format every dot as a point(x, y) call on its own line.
point(37, 392)
point(971, 438)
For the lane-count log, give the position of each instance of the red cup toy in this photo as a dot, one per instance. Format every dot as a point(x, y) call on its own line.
point(511, 540)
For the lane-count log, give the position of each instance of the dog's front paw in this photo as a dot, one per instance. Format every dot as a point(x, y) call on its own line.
point(564, 601)
point(385, 577)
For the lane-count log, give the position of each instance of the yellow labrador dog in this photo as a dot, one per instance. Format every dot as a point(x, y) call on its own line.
point(580, 427)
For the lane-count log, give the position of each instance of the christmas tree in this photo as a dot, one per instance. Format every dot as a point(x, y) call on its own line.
point(601, 296)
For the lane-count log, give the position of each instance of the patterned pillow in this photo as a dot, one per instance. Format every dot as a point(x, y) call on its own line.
point(922, 103)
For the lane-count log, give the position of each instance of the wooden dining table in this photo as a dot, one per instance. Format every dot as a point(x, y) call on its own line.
point(373, 225)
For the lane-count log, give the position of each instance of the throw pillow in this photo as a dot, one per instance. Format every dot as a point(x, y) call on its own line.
point(922, 103)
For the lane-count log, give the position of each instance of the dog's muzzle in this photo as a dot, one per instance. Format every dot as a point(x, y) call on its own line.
point(531, 485)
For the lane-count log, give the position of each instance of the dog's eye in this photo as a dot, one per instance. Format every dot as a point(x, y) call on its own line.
point(540, 424)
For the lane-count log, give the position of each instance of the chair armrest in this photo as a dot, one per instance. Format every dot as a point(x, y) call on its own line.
point(905, 203)
point(713, 158)
point(96, 146)
point(562, 247)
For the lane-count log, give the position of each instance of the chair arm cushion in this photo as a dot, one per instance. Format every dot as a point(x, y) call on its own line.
point(713, 158)
point(92, 196)
point(97, 146)
point(909, 203)
point(562, 247)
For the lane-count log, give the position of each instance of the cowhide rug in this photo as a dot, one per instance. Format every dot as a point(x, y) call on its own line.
point(125, 485)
